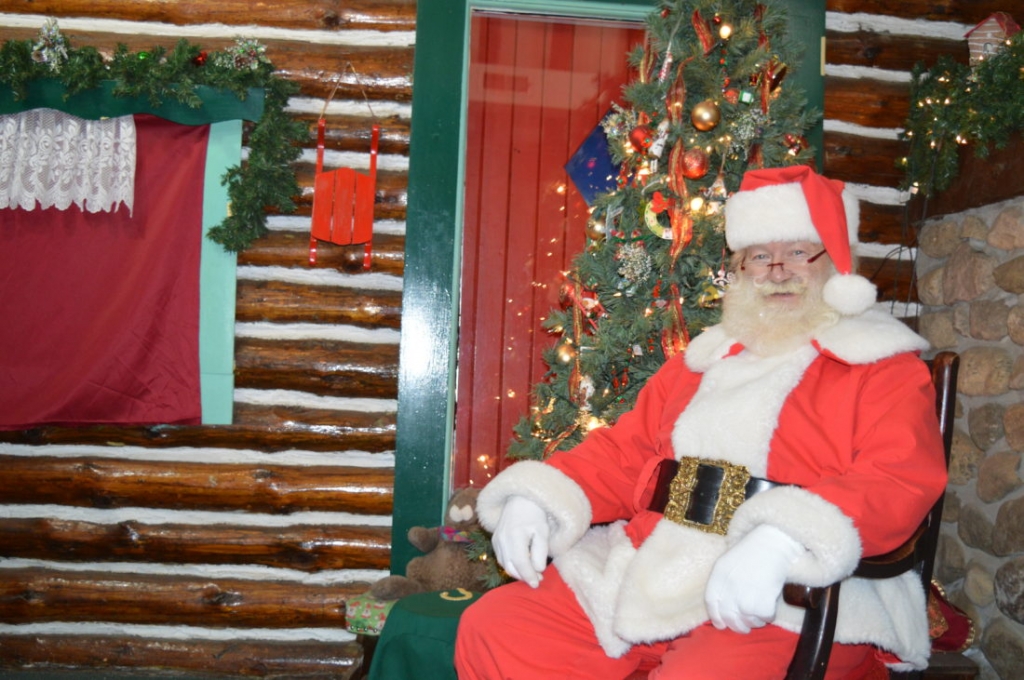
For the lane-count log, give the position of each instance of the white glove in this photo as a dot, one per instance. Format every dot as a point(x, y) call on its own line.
point(520, 540)
point(746, 581)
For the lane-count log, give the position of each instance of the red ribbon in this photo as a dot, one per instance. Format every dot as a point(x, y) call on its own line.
point(700, 26)
point(675, 338)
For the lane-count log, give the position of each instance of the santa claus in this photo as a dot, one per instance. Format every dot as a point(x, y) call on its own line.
point(799, 434)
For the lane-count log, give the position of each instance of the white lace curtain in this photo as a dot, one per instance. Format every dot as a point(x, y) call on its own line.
point(49, 158)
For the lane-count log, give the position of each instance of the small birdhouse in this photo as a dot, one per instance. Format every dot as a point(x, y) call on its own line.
point(990, 36)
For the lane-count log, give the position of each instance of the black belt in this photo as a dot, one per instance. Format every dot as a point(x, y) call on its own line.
point(704, 494)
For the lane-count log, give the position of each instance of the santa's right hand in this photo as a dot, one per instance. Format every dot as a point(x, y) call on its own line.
point(520, 540)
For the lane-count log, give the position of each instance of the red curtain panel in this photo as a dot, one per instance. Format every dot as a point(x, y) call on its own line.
point(99, 312)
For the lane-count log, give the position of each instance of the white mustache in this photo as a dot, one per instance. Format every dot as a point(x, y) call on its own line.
point(780, 287)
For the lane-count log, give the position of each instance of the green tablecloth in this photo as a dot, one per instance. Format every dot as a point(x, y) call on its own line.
point(418, 640)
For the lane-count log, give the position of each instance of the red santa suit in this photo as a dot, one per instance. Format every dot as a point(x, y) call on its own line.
point(846, 422)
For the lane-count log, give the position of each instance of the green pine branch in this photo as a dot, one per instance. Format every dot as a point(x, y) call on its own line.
point(953, 105)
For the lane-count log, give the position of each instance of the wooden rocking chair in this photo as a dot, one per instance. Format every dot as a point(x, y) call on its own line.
point(918, 553)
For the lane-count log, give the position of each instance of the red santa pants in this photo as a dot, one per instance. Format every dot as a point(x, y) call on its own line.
point(519, 633)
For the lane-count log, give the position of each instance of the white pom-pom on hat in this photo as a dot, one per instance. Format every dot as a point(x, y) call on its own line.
point(797, 204)
point(849, 294)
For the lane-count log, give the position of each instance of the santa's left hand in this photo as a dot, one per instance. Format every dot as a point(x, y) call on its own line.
point(746, 581)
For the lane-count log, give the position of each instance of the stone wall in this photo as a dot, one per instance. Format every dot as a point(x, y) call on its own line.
point(971, 282)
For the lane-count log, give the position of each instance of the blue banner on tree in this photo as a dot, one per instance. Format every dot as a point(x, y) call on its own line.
point(591, 167)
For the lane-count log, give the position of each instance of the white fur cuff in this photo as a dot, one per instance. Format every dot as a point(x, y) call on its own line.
point(563, 500)
point(832, 542)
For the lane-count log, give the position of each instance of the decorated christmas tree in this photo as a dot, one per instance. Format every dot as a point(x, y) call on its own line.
point(709, 100)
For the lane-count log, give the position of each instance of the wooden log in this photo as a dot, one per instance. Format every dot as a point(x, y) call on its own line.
point(319, 366)
point(867, 102)
point(329, 15)
point(887, 51)
point(864, 160)
point(258, 428)
point(352, 133)
point(309, 548)
point(194, 658)
point(884, 224)
point(227, 487)
point(278, 301)
point(291, 249)
point(376, 73)
point(355, 430)
point(35, 595)
point(894, 279)
point(960, 11)
point(887, 224)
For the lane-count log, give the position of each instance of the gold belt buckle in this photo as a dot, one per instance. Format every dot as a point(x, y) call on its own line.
point(731, 494)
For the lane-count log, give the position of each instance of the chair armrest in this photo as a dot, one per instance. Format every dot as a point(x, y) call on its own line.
point(902, 559)
point(806, 597)
point(810, 659)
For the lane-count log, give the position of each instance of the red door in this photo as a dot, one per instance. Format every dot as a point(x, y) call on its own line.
point(538, 86)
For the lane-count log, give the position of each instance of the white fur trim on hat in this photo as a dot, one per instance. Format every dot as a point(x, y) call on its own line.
point(778, 212)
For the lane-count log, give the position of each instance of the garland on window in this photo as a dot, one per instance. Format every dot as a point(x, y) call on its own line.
point(267, 180)
point(954, 105)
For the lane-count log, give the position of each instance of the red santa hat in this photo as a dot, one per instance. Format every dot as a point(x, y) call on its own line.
point(797, 204)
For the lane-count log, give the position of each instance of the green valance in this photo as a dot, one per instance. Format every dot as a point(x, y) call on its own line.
point(218, 105)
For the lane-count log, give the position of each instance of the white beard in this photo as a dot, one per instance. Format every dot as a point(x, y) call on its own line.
point(766, 328)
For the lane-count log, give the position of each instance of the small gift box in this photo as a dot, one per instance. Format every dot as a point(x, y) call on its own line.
point(365, 614)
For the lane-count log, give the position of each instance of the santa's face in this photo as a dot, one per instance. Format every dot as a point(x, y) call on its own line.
point(781, 272)
point(775, 301)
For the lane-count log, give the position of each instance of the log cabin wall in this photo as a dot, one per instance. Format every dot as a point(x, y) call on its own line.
point(231, 549)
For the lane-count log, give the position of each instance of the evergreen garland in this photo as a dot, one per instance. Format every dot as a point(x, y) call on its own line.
point(954, 105)
point(479, 549)
point(710, 100)
point(267, 180)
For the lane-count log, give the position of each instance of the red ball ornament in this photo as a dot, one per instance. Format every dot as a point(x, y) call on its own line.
point(200, 58)
point(641, 138)
point(795, 143)
point(732, 95)
point(695, 163)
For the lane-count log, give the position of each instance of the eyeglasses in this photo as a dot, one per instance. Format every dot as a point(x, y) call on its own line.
point(794, 259)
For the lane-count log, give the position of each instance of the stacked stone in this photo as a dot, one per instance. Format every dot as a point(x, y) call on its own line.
point(971, 282)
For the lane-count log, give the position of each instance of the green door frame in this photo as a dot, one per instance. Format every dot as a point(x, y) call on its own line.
point(430, 298)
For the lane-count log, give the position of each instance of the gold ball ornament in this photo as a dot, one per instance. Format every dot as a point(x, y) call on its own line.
point(597, 228)
point(565, 352)
point(706, 115)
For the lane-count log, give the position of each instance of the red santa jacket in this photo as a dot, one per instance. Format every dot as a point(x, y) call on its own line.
point(849, 421)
